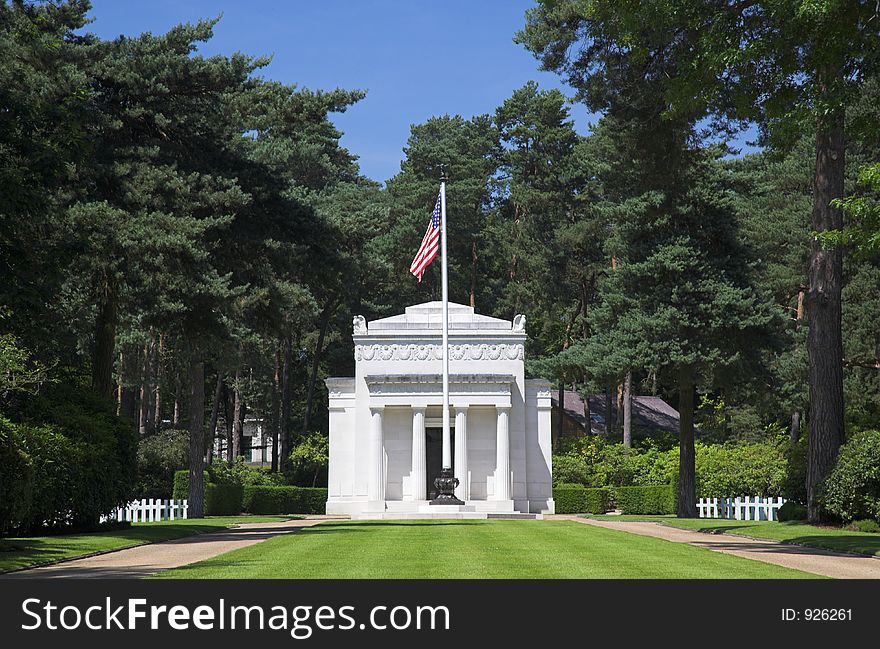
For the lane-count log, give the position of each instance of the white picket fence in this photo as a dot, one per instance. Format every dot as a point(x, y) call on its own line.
point(741, 509)
point(149, 510)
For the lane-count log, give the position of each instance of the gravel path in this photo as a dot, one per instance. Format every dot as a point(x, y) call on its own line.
point(815, 560)
point(145, 560)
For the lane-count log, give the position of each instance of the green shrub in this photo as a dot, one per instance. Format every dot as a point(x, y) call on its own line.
point(868, 525)
point(852, 489)
point(83, 458)
point(577, 499)
point(795, 485)
point(16, 478)
point(731, 470)
point(223, 499)
point(284, 500)
point(792, 511)
point(241, 474)
point(570, 469)
point(652, 499)
point(309, 461)
point(159, 456)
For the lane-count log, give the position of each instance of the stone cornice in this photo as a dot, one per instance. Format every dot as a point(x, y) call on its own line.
point(383, 384)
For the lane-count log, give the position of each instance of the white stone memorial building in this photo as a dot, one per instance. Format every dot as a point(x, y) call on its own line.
point(385, 422)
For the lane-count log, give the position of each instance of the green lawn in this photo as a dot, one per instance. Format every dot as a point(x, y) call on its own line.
point(23, 552)
point(830, 538)
point(429, 549)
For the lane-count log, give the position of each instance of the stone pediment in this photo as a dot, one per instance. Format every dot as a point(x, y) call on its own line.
point(427, 319)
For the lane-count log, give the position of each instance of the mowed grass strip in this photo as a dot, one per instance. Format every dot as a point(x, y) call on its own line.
point(468, 549)
point(826, 537)
point(27, 552)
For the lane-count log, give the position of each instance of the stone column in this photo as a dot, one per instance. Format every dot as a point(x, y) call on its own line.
point(376, 476)
point(418, 476)
point(502, 455)
point(463, 491)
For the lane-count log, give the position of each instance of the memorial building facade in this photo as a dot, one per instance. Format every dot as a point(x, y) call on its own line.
point(385, 422)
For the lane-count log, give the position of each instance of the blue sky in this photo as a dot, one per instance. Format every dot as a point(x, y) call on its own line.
point(415, 58)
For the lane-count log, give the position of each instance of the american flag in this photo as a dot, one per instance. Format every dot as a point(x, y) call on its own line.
point(430, 243)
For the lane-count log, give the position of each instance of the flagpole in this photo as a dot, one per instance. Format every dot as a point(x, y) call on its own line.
point(447, 441)
point(447, 482)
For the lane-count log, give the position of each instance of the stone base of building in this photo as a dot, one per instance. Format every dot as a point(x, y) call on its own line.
point(389, 509)
point(401, 516)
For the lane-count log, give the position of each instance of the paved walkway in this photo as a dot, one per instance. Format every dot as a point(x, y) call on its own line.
point(815, 560)
point(145, 560)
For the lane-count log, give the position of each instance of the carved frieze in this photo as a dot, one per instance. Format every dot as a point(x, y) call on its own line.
point(414, 352)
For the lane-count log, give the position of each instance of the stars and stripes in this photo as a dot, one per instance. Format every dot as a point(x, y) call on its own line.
point(430, 244)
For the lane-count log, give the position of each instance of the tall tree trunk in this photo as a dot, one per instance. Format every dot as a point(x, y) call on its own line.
point(160, 374)
point(326, 315)
point(473, 272)
point(236, 417)
point(627, 410)
point(687, 472)
point(285, 405)
point(227, 419)
point(105, 337)
point(144, 417)
point(619, 419)
point(129, 403)
point(215, 415)
point(119, 387)
point(197, 440)
point(175, 418)
point(795, 429)
point(275, 414)
point(151, 373)
point(824, 338)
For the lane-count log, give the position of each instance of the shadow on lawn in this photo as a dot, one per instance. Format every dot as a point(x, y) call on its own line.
point(851, 543)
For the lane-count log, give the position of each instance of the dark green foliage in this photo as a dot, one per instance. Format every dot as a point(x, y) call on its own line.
point(160, 455)
point(309, 461)
point(792, 511)
point(659, 499)
point(239, 473)
point(284, 500)
point(16, 477)
point(774, 467)
point(868, 525)
point(223, 499)
point(82, 458)
point(69, 471)
point(576, 499)
point(852, 489)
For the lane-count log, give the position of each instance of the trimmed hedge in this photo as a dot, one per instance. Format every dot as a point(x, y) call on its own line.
point(577, 499)
point(654, 499)
point(792, 511)
point(284, 500)
point(222, 499)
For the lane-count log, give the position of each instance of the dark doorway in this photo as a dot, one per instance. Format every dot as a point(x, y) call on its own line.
point(434, 456)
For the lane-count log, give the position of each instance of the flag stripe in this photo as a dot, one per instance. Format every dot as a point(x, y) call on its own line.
point(427, 252)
